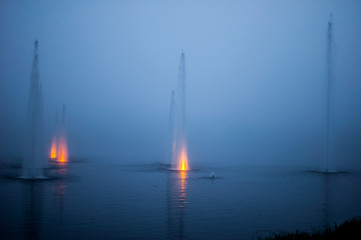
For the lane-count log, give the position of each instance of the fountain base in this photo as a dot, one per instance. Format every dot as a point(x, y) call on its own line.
point(32, 178)
point(328, 172)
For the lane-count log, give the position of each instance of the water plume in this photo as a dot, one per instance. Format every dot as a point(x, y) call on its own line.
point(63, 146)
point(171, 128)
point(179, 158)
point(33, 163)
point(59, 147)
point(54, 142)
point(329, 58)
point(53, 149)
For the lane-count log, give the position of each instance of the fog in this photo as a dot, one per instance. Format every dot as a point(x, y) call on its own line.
point(256, 79)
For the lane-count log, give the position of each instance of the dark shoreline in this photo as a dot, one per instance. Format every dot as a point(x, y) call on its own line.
point(348, 230)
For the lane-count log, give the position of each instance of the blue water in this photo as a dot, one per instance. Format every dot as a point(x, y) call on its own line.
point(86, 199)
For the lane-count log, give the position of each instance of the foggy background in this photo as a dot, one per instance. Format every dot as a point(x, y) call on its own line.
point(255, 76)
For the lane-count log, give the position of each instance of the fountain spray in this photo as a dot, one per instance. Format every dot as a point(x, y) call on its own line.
point(33, 164)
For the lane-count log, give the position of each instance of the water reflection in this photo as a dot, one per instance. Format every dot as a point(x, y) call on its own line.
point(59, 187)
point(326, 201)
point(58, 192)
point(35, 197)
point(58, 168)
point(33, 204)
point(62, 168)
point(176, 203)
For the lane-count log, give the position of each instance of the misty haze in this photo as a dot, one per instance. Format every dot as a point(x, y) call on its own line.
point(178, 120)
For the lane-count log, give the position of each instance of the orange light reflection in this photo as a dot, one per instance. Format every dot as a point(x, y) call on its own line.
point(183, 188)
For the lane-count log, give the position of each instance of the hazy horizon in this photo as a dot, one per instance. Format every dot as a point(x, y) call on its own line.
point(255, 78)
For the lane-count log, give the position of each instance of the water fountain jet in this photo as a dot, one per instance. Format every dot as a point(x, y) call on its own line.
point(329, 58)
point(33, 162)
point(53, 149)
point(179, 158)
point(59, 147)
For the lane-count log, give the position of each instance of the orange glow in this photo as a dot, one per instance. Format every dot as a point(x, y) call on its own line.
point(53, 149)
point(62, 150)
point(183, 159)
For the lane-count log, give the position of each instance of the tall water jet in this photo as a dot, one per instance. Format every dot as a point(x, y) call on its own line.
point(329, 59)
point(178, 116)
point(33, 163)
point(172, 128)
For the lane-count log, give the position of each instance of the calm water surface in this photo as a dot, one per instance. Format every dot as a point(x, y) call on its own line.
point(90, 200)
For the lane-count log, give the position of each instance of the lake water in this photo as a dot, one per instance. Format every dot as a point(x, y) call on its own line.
point(90, 200)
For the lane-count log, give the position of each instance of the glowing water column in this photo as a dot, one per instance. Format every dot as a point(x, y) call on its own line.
point(54, 142)
point(53, 149)
point(177, 118)
point(63, 146)
point(59, 146)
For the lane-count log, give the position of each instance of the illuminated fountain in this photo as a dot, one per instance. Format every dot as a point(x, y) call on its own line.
point(53, 149)
point(177, 182)
point(62, 147)
point(62, 150)
point(183, 158)
point(54, 142)
point(179, 156)
point(33, 163)
point(59, 147)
